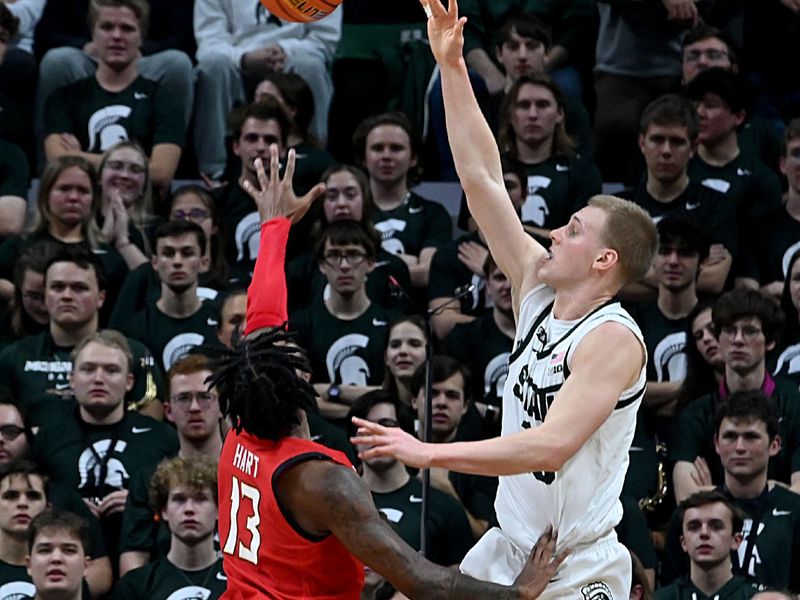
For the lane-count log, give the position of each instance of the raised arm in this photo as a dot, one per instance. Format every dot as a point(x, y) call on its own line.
point(278, 208)
point(475, 153)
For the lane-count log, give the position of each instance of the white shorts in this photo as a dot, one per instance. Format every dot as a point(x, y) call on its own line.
point(598, 571)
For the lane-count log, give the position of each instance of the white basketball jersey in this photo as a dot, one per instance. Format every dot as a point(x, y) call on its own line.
point(582, 499)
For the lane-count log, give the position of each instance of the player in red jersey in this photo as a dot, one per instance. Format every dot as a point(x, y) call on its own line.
point(295, 519)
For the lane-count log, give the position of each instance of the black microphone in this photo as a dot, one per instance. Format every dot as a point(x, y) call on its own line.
point(398, 290)
point(460, 292)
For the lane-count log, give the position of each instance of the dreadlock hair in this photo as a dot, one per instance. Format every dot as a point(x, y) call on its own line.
point(258, 383)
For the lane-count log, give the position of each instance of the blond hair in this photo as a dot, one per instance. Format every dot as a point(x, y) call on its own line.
point(631, 232)
point(110, 338)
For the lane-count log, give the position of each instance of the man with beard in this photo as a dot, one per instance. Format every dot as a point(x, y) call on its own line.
point(183, 492)
point(194, 410)
point(178, 321)
point(95, 445)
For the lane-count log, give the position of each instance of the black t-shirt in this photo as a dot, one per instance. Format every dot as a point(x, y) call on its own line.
point(241, 229)
point(13, 171)
point(448, 274)
point(36, 370)
point(415, 224)
point(142, 112)
point(769, 247)
point(162, 579)
point(347, 352)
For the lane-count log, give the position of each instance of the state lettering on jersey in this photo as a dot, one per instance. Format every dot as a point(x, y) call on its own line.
point(344, 365)
point(535, 209)
point(105, 128)
point(17, 590)
point(245, 461)
point(535, 400)
point(248, 236)
point(669, 357)
point(91, 461)
point(495, 374)
point(749, 548)
point(388, 230)
point(190, 592)
point(180, 346)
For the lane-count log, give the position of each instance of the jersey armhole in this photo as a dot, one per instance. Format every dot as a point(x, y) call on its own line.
point(296, 460)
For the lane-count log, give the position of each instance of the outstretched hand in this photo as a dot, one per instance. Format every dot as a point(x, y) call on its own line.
point(445, 31)
point(276, 198)
point(375, 440)
point(542, 564)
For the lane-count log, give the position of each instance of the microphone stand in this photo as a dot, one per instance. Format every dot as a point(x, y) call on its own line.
point(428, 315)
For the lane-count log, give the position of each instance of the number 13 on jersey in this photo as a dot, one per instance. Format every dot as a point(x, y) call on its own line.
point(252, 519)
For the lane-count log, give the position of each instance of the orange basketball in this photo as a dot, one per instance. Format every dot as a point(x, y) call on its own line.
point(300, 11)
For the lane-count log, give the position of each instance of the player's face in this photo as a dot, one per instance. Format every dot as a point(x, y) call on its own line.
point(343, 198)
point(346, 267)
point(193, 407)
point(191, 513)
point(254, 141)
point(676, 266)
point(70, 200)
point(388, 156)
point(498, 288)
point(57, 563)
point(448, 406)
point(667, 150)
point(708, 536)
point(100, 378)
point(178, 261)
point(32, 292)
point(521, 56)
point(790, 164)
point(743, 345)
point(386, 415)
point(706, 341)
point(13, 443)
point(124, 174)
point(406, 350)
point(117, 36)
point(71, 294)
point(21, 499)
point(744, 447)
point(517, 190)
point(190, 207)
point(233, 314)
point(716, 120)
point(574, 248)
point(697, 57)
point(535, 115)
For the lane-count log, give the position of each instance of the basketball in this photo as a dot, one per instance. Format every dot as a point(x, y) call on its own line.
point(300, 11)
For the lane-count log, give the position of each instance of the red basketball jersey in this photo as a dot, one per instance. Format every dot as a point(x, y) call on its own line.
point(264, 555)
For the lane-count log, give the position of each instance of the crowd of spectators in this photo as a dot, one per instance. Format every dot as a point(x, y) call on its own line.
point(129, 133)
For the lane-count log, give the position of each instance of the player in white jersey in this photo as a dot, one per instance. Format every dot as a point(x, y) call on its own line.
point(577, 373)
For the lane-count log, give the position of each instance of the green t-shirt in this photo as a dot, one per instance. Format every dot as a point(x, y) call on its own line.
point(169, 338)
point(693, 432)
point(344, 352)
point(415, 224)
point(162, 579)
point(36, 371)
point(448, 531)
point(142, 112)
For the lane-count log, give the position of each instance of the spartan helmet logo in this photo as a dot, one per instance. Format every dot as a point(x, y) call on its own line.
point(388, 230)
point(190, 592)
point(17, 590)
point(89, 468)
point(596, 591)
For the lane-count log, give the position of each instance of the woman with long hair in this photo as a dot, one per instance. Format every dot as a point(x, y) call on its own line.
point(403, 353)
point(67, 207)
point(704, 364)
point(126, 217)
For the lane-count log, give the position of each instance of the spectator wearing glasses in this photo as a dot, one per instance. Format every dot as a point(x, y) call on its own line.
point(194, 410)
point(346, 347)
point(398, 495)
point(748, 325)
point(194, 204)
